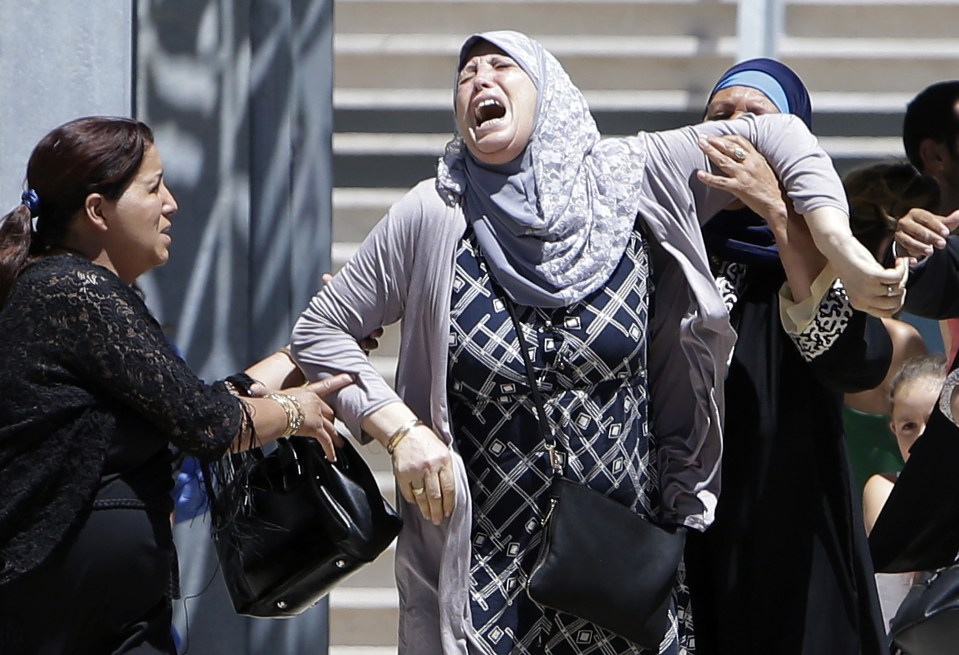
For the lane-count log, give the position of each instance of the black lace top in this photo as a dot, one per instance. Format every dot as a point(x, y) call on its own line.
point(84, 368)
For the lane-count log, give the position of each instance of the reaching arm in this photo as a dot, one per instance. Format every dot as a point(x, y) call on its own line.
point(870, 287)
point(276, 371)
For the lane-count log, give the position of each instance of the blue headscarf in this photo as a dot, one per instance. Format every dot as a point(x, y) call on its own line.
point(740, 235)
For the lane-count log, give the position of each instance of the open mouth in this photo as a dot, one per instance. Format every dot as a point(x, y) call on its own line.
point(488, 110)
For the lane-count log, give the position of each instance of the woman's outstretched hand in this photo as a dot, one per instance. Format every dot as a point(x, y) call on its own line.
point(746, 175)
point(317, 415)
point(870, 287)
point(921, 231)
point(422, 462)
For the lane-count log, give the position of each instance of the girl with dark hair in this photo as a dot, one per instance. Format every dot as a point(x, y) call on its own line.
point(92, 395)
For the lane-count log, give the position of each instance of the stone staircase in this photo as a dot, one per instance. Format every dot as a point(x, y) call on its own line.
point(643, 64)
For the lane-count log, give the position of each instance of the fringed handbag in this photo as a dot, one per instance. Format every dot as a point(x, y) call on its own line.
point(289, 524)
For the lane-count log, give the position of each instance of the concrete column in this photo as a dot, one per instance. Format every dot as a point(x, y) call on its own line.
point(759, 24)
point(239, 94)
point(59, 59)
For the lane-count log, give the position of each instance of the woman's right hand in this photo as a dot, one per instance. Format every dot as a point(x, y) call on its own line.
point(424, 473)
point(920, 231)
point(317, 415)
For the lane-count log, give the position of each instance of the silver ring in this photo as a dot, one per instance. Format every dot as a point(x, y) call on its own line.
point(890, 290)
point(418, 491)
point(739, 154)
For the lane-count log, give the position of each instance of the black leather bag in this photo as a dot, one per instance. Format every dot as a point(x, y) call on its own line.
point(289, 525)
point(599, 560)
point(602, 562)
point(927, 622)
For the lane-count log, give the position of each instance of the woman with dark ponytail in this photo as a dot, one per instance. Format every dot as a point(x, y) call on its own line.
point(92, 395)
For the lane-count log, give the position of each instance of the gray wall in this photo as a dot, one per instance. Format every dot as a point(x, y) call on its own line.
point(240, 96)
point(59, 59)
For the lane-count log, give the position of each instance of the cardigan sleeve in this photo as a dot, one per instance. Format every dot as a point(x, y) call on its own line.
point(848, 350)
point(802, 166)
point(369, 292)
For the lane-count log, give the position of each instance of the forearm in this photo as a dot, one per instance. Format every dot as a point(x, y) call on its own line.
point(385, 421)
point(830, 232)
point(277, 370)
point(801, 259)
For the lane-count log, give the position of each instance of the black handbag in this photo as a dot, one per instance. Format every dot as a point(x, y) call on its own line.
point(927, 622)
point(289, 524)
point(599, 560)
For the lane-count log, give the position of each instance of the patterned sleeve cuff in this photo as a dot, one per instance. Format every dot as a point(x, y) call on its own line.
point(796, 316)
point(945, 396)
point(818, 335)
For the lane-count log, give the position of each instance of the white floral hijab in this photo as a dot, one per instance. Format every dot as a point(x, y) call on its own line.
point(554, 223)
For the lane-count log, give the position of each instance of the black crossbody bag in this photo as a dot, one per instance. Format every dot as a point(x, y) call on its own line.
point(927, 622)
point(599, 560)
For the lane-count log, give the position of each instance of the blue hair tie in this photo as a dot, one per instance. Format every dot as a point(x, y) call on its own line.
point(32, 202)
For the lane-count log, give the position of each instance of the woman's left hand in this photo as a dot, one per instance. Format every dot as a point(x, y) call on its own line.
point(746, 175)
point(870, 287)
point(424, 473)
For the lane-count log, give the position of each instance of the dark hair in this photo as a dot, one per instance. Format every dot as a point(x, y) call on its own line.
point(931, 115)
point(880, 194)
point(96, 154)
point(916, 368)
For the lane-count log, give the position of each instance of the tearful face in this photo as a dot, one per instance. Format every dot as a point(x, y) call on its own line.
point(495, 105)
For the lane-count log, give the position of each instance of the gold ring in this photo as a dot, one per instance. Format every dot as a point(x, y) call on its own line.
point(418, 491)
point(739, 154)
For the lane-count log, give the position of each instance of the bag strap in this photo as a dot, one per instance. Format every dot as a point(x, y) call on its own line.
point(545, 431)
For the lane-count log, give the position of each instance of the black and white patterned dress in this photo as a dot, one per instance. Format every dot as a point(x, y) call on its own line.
point(590, 359)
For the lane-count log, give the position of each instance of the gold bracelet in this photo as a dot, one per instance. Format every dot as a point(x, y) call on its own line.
point(401, 433)
point(293, 410)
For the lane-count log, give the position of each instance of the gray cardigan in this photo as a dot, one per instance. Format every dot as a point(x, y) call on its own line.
point(403, 270)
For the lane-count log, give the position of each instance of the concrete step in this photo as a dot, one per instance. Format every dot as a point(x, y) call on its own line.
point(424, 61)
point(541, 18)
point(376, 575)
point(654, 63)
point(363, 617)
point(920, 19)
point(416, 108)
point(859, 65)
point(357, 210)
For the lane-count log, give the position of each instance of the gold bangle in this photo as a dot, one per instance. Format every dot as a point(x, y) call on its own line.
point(401, 433)
point(293, 410)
